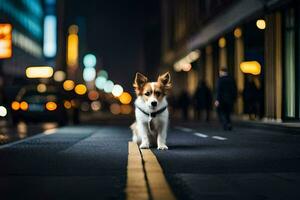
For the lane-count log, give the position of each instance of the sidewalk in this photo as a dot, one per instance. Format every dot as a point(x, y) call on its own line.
point(283, 127)
point(286, 127)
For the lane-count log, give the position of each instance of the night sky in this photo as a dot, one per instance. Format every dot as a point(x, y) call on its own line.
point(118, 33)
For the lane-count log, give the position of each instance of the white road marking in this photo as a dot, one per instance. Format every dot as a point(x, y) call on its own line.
point(184, 129)
point(201, 135)
point(219, 138)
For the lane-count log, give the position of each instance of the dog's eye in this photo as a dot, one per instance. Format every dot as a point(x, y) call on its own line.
point(157, 93)
point(147, 93)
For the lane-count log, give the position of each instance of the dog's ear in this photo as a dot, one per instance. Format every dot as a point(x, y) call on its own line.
point(165, 80)
point(139, 81)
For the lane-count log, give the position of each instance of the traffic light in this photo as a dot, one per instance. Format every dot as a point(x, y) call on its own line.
point(5, 41)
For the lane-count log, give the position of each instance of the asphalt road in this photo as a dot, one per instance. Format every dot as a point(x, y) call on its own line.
point(203, 162)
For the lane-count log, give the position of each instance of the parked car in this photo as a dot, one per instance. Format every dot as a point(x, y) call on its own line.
point(31, 105)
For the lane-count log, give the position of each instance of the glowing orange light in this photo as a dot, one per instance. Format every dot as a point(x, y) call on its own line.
point(51, 106)
point(93, 95)
point(15, 105)
point(72, 48)
point(68, 85)
point(80, 89)
point(237, 32)
point(67, 104)
point(5, 41)
point(24, 105)
point(250, 67)
point(125, 98)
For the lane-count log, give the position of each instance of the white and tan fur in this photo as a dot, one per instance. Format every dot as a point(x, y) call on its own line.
point(148, 93)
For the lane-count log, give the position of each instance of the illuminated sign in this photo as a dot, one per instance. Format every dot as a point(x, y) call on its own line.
point(50, 36)
point(5, 41)
point(39, 72)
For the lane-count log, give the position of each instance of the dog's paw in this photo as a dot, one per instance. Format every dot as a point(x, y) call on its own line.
point(162, 147)
point(144, 146)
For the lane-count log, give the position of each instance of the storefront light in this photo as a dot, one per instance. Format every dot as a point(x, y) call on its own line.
point(222, 42)
point(250, 67)
point(237, 33)
point(261, 24)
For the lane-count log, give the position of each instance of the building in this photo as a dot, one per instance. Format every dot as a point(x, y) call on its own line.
point(229, 32)
point(26, 18)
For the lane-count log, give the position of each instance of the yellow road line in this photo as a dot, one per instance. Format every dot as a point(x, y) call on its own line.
point(136, 187)
point(158, 185)
point(143, 168)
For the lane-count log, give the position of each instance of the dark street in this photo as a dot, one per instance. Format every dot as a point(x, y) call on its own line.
point(150, 100)
point(203, 162)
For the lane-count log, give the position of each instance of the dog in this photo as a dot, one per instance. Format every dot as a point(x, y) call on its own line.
point(151, 111)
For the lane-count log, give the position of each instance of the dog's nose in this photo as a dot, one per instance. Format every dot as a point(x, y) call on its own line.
point(153, 103)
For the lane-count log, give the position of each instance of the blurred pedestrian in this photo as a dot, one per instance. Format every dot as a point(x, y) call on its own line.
point(226, 95)
point(251, 98)
point(202, 100)
point(183, 104)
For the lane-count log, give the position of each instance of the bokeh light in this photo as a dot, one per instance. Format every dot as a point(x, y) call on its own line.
point(125, 98)
point(186, 67)
point(24, 105)
point(117, 90)
point(51, 106)
point(126, 109)
point(39, 72)
point(222, 42)
point(96, 105)
point(103, 73)
point(100, 82)
point(108, 87)
point(59, 76)
point(250, 67)
point(93, 95)
point(3, 111)
point(67, 105)
point(68, 85)
point(89, 60)
point(89, 74)
point(237, 32)
point(15, 105)
point(41, 88)
point(73, 29)
point(115, 109)
point(261, 24)
point(80, 89)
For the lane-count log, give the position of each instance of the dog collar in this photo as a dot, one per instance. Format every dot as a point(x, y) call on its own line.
point(153, 114)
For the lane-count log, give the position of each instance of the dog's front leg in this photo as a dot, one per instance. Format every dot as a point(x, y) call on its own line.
point(142, 129)
point(161, 137)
